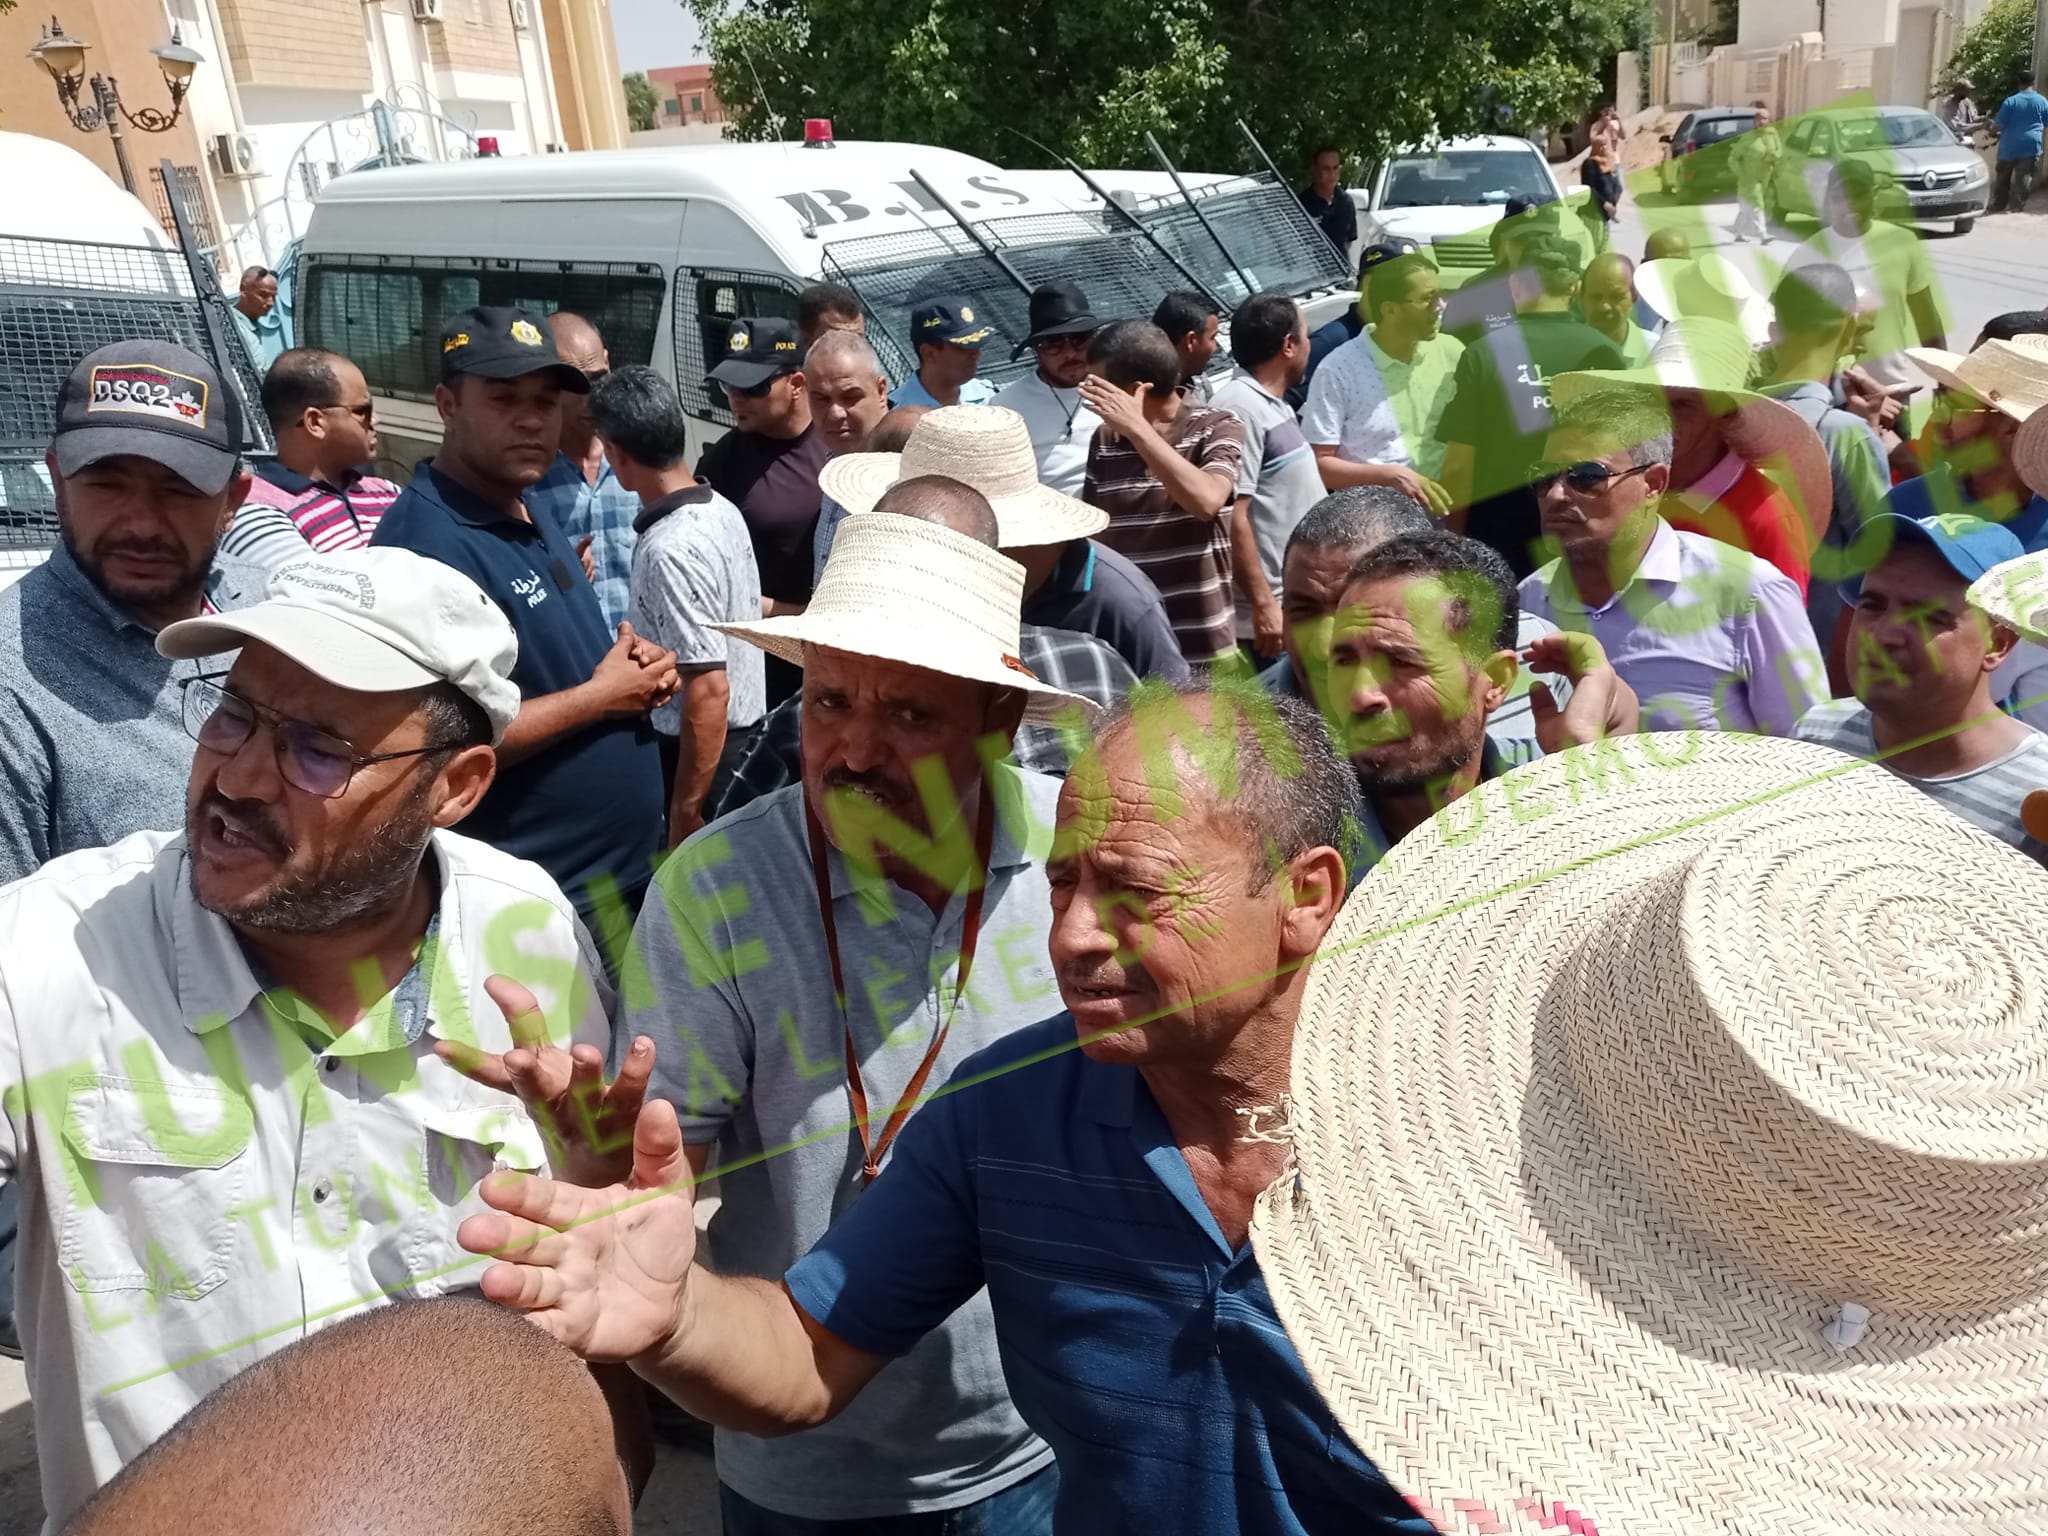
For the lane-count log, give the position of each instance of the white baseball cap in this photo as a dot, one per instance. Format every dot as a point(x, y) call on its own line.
point(373, 621)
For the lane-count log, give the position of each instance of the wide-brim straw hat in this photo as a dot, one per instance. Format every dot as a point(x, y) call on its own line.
point(1670, 1155)
point(2015, 592)
point(1705, 288)
point(985, 446)
point(2009, 376)
point(900, 589)
point(1713, 358)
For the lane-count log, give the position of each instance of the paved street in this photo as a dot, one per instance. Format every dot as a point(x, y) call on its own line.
point(2000, 265)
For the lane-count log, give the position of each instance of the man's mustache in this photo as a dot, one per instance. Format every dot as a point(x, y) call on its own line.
point(880, 786)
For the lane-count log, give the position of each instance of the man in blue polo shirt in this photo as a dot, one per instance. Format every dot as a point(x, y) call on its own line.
point(1103, 1195)
point(947, 335)
point(579, 774)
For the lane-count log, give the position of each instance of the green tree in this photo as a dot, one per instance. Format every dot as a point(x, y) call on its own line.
point(641, 102)
point(1091, 77)
point(1992, 52)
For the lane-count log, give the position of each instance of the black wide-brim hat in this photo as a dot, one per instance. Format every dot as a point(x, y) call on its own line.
point(1057, 309)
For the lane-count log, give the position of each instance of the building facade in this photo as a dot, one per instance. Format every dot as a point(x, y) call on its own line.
point(684, 96)
point(296, 92)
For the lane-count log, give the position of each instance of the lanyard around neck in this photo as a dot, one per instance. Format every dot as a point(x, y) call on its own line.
point(970, 933)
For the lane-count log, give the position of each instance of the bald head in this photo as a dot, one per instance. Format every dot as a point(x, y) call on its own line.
point(950, 504)
point(450, 1416)
point(894, 429)
point(579, 343)
point(1666, 245)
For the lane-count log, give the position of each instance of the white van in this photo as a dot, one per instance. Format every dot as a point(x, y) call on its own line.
point(663, 248)
point(82, 265)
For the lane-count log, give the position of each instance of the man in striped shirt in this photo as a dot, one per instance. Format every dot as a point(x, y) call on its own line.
point(319, 407)
point(1165, 470)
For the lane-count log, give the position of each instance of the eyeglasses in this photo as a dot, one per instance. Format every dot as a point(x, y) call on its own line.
point(1073, 341)
point(595, 376)
point(309, 759)
point(755, 391)
point(366, 413)
point(1585, 477)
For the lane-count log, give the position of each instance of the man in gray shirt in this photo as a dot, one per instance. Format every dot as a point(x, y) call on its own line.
point(146, 462)
point(912, 872)
point(693, 567)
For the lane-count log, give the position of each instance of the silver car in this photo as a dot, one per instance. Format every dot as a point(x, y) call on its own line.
point(1924, 173)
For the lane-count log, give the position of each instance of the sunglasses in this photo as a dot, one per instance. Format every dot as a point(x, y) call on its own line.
point(755, 391)
point(309, 759)
point(1585, 477)
point(366, 413)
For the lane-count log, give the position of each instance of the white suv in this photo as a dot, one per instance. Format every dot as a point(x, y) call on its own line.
point(1448, 197)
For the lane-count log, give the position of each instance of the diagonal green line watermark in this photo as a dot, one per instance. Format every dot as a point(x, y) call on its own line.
point(637, 1198)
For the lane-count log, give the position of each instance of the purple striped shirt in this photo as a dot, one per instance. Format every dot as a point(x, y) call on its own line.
point(329, 517)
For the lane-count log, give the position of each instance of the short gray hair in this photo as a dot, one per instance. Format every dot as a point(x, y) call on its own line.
point(1634, 417)
point(1357, 518)
point(1292, 792)
point(849, 347)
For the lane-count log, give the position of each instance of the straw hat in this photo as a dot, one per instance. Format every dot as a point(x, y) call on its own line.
point(2009, 376)
point(1705, 288)
point(2016, 594)
point(1670, 1126)
point(985, 446)
point(900, 589)
point(1713, 358)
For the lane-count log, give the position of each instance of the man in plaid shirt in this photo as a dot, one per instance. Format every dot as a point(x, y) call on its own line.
point(319, 408)
point(596, 512)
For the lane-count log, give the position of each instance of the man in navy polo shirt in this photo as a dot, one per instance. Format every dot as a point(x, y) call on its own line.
point(579, 774)
point(1096, 1172)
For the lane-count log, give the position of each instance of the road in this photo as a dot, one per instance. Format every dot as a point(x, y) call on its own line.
point(2000, 265)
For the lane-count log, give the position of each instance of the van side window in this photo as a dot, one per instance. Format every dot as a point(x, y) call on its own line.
point(707, 302)
point(386, 312)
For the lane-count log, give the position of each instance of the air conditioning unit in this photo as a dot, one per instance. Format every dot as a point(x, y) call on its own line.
point(238, 155)
point(522, 15)
point(426, 10)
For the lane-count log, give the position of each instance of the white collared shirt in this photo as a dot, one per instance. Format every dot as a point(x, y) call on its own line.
point(1061, 426)
point(1375, 409)
point(199, 1184)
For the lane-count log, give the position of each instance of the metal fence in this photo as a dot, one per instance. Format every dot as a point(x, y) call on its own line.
point(386, 312)
point(61, 299)
point(192, 200)
point(707, 300)
point(1262, 240)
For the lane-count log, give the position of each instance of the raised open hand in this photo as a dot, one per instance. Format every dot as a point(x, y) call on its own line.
point(587, 1122)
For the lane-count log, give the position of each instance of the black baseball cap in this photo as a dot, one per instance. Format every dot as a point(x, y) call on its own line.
point(494, 342)
point(948, 320)
point(150, 400)
point(757, 349)
point(1380, 252)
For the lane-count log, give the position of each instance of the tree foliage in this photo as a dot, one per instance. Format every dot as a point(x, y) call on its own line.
point(1089, 78)
point(641, 102)
point(1992, 51)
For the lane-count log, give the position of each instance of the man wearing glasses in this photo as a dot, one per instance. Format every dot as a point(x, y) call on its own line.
point(319, 408)
point(146, 465)
point(1709, 636)
point(229, 1103)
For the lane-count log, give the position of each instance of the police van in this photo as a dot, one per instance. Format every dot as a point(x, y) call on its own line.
point(663, 248)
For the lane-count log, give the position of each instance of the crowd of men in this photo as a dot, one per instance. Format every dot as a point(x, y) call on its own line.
point(622, 816)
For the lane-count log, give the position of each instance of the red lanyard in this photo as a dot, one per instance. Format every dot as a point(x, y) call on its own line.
point(970, 934)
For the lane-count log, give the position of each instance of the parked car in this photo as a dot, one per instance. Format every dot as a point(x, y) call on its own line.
point(1448, 196)
point(1696, 160)
point(1924, 172)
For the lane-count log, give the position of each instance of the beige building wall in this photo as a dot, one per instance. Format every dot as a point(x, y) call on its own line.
point(121, 33)
point(585, 61)
point(310, 44)
point(474, 37)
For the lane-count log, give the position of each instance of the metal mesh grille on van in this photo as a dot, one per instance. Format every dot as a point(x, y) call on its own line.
point(707, 301)
point(385, 313)
point(61, 299)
